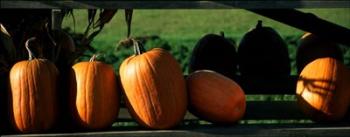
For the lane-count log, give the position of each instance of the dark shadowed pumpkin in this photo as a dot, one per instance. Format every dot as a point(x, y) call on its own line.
point(94, 98)
point(263, 48)
point(154, 88)
point(312, 47)
point(215, 97)
point(214, 52)
point(323, 91)
point(33, 93)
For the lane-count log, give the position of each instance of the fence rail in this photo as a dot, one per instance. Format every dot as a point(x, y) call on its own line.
point(176, 4)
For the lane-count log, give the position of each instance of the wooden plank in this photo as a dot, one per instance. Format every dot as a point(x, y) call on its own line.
point(218, 131)
point(256, 110)
point(175, 4)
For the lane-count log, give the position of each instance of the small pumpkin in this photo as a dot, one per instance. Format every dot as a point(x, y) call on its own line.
point(263, 48)
point(214, 52)
point(312, 47)
point(215, 97)
point(323, 91)
point(154, 88)
point(94, 98)
point(33, 85)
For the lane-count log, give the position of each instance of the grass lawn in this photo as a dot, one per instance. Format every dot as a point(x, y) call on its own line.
point(180, 29)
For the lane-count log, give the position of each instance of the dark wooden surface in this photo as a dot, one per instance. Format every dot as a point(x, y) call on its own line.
point(256, 110)
point(175, 4)
point(301, 130)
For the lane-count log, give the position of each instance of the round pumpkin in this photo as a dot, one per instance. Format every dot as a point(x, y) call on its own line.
point(154, 88)
point(262, 52)
point(94, 98)
point(33, 93)
point(323, 91)
point(312, 47)
point(215, 98)
point(214, 52)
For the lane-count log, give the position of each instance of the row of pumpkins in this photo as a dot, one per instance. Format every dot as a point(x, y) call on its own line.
point(156, 93)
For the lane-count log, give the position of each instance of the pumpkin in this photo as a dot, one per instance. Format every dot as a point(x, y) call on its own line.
point(312, 47)
point(94, 98)
point(65, 46)
point(263, 48)
point(214, 52)
point(215, 98)
point(323, 91)
point(33, 86)
point(154, 88)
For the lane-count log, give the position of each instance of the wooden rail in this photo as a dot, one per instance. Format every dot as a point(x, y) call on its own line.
point(256, 110)
point(175, 4)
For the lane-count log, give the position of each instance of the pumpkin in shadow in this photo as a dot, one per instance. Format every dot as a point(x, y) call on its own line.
point(214, 52)
point(312, 47)
point(262, 52)
point(322, 90)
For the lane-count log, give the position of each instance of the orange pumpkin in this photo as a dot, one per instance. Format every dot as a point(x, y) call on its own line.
point(33, 85)
point(94, 96)
point(215, 97)
point(322, 90)
point(154, 88)
point(312, 47)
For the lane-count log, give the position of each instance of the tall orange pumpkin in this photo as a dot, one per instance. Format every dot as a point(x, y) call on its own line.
point(93, 94)
point(323, 91)
point(33, 86)
point(215, 97)
point(154, 88)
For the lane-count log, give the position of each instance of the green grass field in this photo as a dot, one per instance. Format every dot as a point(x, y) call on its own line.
point(179, 30)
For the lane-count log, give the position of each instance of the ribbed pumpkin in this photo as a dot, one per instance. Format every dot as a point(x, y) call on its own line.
point(33, 93)
point(323, 91)
point(263, 48)
point(214, 52)
point(312, 47)
point(94, 98)
point(215, 97)
point(154, 88)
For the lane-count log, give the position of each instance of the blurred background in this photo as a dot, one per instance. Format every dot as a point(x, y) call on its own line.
point(179, 30)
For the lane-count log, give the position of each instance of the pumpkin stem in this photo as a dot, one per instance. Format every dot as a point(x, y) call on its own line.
point(30, 53)
point(222, 34)
point(94, 57)
point(138, 49)
point(259, 25)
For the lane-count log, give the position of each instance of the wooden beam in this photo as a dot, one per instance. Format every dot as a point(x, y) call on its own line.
point(299, 130)
point(256, 110)
point(175, 4)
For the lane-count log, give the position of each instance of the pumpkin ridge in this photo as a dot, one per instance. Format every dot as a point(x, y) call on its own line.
point(87, 92)
point(29, 93)
point(149, 96)
point(83, 90)
point(153, 71)
point(31, 83)
point(20, 97)
point(137, 66)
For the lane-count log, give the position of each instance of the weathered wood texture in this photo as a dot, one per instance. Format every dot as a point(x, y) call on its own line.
point(176, 4)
